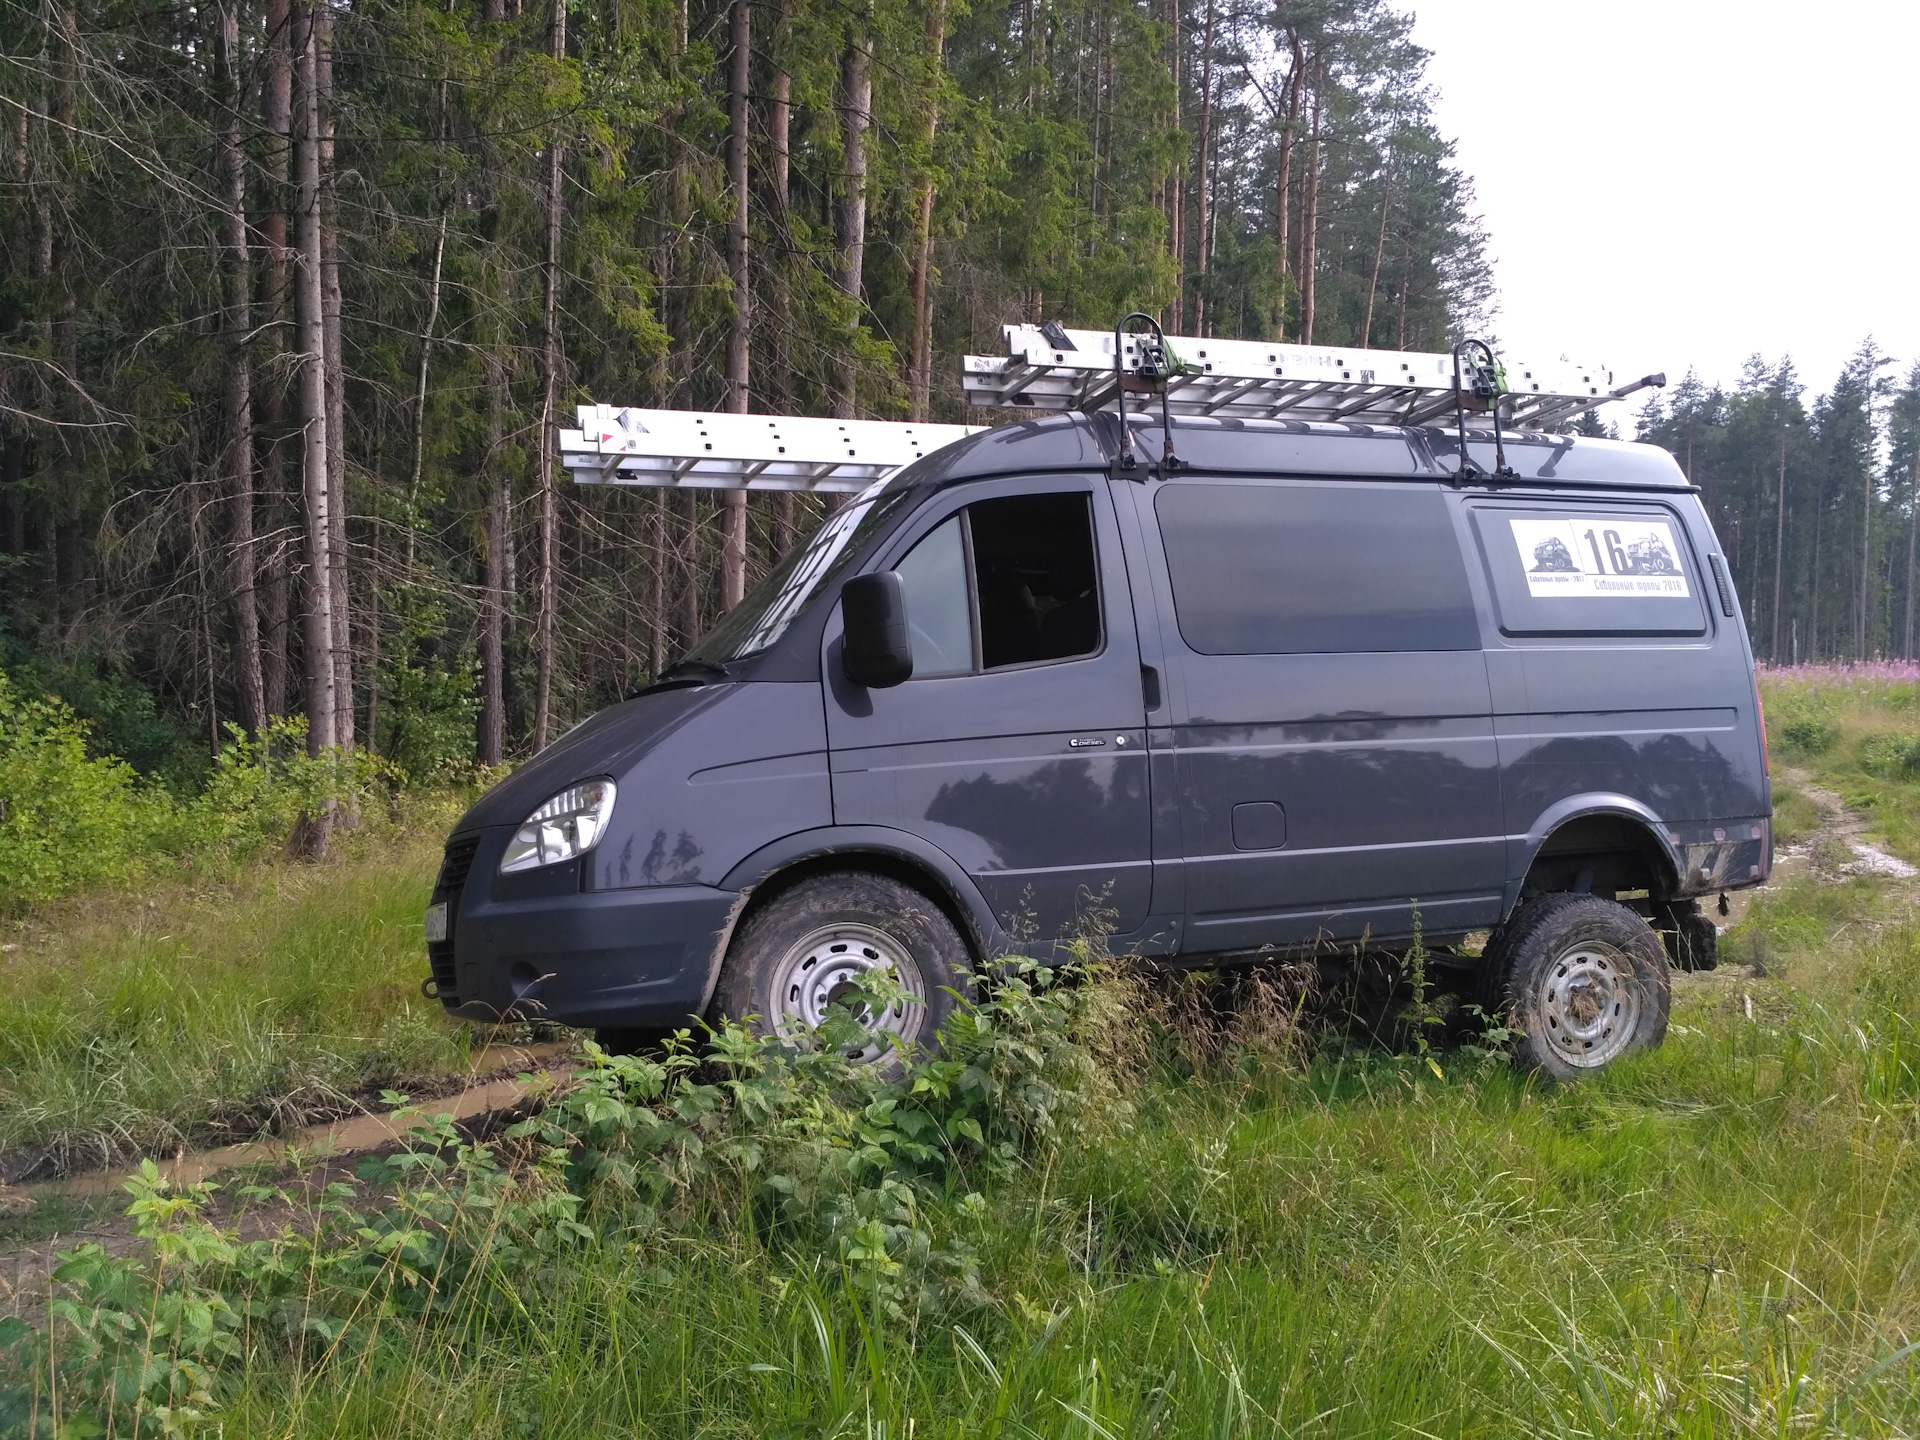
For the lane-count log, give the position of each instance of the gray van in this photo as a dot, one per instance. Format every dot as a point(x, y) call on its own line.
point(1312, 688)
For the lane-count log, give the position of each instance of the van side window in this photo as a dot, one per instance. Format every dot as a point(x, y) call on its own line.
point(1290, 568)
point(1601, 569)
point(1005, 582)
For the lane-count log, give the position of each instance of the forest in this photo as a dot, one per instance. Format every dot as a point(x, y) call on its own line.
point(294, 296)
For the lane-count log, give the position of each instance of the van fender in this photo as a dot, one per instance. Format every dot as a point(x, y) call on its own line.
point(851, 842)
point(1524, 850)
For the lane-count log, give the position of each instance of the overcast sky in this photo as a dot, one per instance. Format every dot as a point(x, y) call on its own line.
point(1670, 183)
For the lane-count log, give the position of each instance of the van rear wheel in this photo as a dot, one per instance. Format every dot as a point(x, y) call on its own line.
point(813, 946)
point(1584, 980)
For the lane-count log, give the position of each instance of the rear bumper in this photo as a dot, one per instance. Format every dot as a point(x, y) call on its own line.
point(640, 958)
point(1728, 856)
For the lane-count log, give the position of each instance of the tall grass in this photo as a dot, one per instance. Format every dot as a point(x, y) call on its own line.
point(1716, 1238)
point(137, 1020)
point(1857, 730)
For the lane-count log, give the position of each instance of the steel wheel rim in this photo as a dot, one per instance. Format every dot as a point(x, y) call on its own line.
point(818, 970)
point(1589, 1005)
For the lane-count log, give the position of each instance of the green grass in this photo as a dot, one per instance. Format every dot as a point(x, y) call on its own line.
point(1859, 737)
point(1313, 1239)
point(1715, 1239)
point(137, 1021)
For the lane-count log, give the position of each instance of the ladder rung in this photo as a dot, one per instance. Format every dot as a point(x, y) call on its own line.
point(697, 449)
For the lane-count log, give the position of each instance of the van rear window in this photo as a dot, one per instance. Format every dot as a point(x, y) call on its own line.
point(1278, 567)
point(1593, 570)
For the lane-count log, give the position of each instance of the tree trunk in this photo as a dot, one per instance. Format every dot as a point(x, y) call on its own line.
point(1310, 225)
point(1203, 174)
point(920, 265)
point(235, 325)
point(690, 570)
point(276, 116)
point(493, 571)
point(1813, 620)
point(1913, 522)
point(856, 116)
point(1379, 251)
point(733, 528)
point(657, 584)
point(1177, 185)
point(1283, 185)
point(779, 125)
point(415, 470)
point(1865, 628)
point(549, 419)
point(340, 589)
point(317, 611)
point(1779, 549)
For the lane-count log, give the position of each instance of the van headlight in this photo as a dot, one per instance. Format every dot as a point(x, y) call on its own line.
point(566, 826)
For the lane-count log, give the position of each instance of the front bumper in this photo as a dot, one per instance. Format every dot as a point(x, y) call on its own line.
point(642, 958)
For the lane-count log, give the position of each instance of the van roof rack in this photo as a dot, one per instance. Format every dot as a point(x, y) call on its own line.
point(1048, 367)
point(697, 449)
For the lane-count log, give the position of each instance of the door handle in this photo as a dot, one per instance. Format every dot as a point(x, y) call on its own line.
point(1150, 687)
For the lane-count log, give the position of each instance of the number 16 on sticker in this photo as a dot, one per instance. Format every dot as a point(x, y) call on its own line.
point(1578, 556)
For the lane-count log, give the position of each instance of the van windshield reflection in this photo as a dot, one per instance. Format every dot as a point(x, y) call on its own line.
point(763, 616)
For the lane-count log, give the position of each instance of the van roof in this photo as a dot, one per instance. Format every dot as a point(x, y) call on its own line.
point(1296, 447)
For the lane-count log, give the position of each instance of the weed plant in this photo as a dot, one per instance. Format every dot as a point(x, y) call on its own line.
point(1055, 1231)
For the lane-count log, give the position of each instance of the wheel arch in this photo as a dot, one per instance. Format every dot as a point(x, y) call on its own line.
point(1600, 844)
point(764, 875)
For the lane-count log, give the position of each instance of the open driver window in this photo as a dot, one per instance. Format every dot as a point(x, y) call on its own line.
point(1004, 582)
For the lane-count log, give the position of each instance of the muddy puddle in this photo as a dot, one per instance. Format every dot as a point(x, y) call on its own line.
point(351, 1135)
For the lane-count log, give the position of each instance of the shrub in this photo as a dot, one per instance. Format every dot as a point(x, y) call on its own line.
point(1890, 755)
point(1809, 733)
point(70, 821)
point(67, 820)
point(791, 1148)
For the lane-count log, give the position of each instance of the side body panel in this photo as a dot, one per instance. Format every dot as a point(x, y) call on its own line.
point(1033, 779)
point(1658, 727)
point(1327, 796)
point(708, 795)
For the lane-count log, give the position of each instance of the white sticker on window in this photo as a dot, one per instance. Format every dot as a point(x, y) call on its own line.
point(1580, 556)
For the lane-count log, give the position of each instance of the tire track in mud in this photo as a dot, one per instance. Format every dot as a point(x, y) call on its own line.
point(500, 1080)
point(1836, 850)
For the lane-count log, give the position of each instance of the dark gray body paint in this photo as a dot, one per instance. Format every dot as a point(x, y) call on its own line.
point(1034, 779)
point(1264, 802)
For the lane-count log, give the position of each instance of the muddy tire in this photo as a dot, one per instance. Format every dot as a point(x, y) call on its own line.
point(1584, 980)
point(1691, 938)
point(801, 952)
point(629, 1040)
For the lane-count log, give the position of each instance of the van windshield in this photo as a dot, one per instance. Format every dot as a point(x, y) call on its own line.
point(764, 614)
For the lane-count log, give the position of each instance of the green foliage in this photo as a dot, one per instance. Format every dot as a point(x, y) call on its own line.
point(835, 1164)
point(70, 821)
point(1713, 1239)
point(67, 820)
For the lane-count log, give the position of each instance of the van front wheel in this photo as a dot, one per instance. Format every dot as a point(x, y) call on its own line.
point(1584, 980)
point(816, 945)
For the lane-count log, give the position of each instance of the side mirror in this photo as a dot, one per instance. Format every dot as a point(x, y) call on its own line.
point(877, 650)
